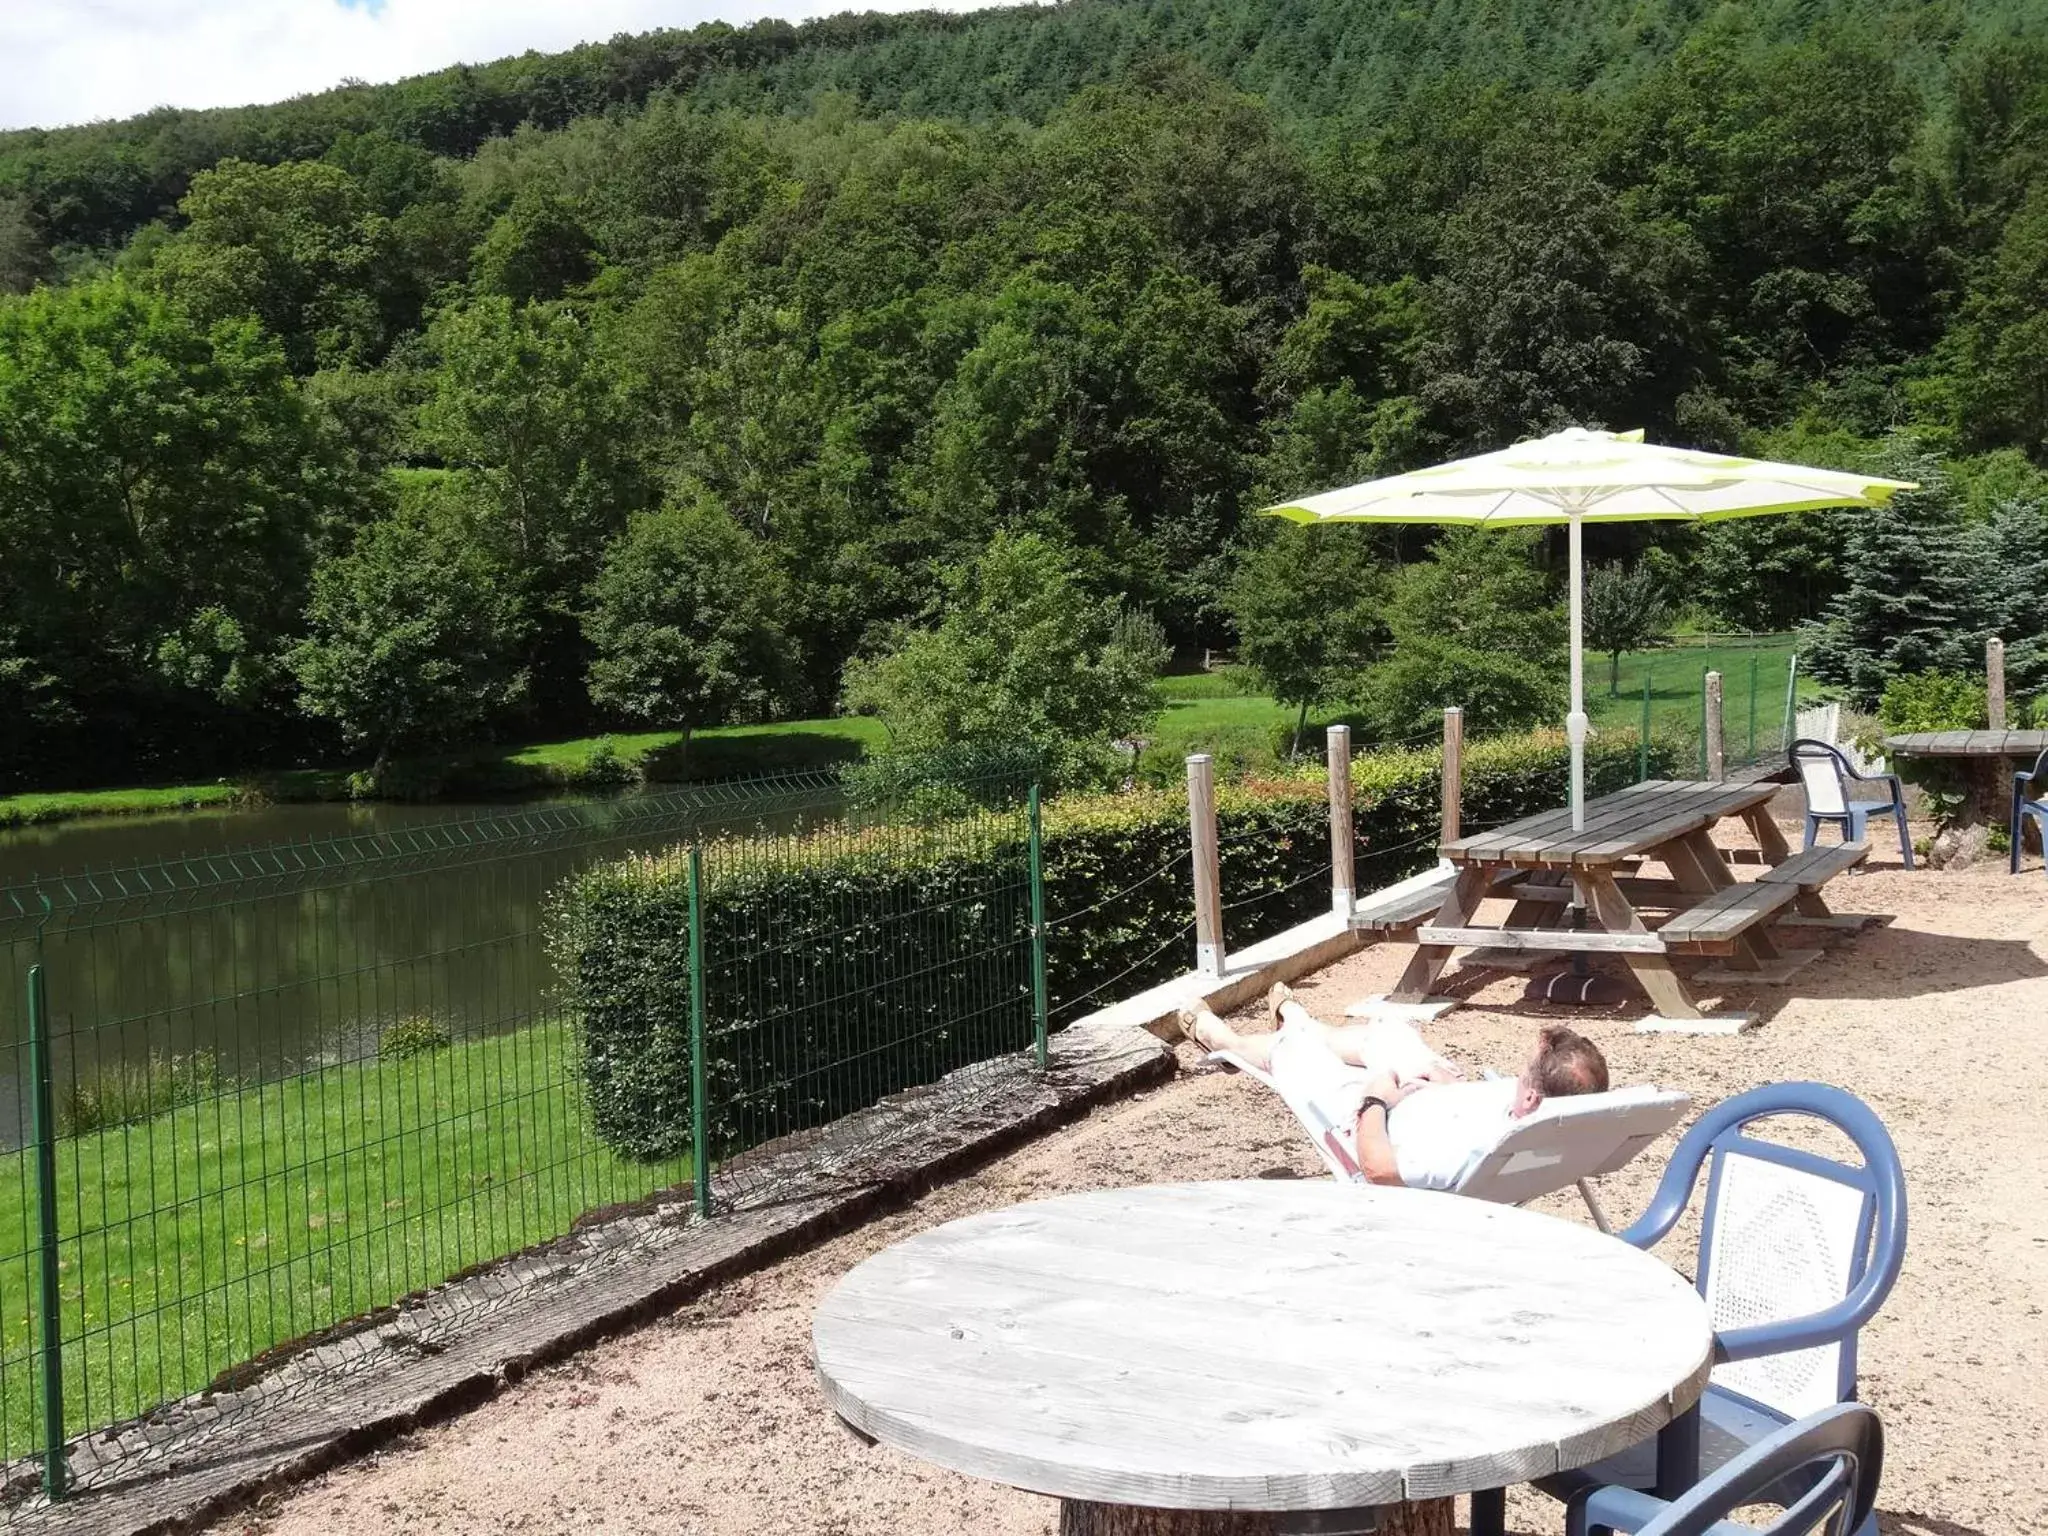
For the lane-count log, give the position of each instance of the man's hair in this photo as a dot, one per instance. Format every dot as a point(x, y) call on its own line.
point(1567, 1063)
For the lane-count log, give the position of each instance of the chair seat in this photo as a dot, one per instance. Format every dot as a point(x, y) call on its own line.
point(1867, 807)
point(1728, 1427)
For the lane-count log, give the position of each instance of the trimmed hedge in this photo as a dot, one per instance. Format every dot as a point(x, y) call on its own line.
point(844, 965)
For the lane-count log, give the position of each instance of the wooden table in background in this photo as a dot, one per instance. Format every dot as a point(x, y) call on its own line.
point(1255, 1358)
point(2027, 745)
point(1542, 864)
point(1996, 754)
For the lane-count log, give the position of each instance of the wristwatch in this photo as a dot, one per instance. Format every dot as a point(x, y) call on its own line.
point(1372, 1099)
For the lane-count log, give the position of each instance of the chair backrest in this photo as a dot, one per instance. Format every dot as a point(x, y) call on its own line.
point(1566, 1139)
point(1580, 1136)
point(2038, 779)
point(1797, 1251)
point(1828, 1463)
point(1820, 769)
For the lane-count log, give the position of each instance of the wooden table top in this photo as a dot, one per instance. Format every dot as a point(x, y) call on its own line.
point(1262, 1345)
point(1968, 743)
point(1619, 826)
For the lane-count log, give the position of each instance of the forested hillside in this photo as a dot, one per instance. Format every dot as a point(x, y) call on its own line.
point(658, 380)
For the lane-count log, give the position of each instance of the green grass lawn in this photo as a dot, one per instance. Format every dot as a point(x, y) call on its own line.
point(62, 805)
point(196, 1240)
point(1676, 674)
point(586, 763)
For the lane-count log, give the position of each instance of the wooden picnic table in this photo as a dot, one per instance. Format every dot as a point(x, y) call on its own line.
point(1262, 1357)
point(1545, 866)
point(1985, 759)
point(2014, 744)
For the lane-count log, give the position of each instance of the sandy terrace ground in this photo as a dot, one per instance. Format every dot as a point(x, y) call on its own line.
point(710, 1422)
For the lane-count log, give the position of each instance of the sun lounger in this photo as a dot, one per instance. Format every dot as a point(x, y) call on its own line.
point(1564, 1141)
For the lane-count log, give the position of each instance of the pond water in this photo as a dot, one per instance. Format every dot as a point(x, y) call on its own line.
point(250, 945)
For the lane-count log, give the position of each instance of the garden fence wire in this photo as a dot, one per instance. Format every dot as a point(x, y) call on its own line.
point(257, 1104)
point(256, 1100)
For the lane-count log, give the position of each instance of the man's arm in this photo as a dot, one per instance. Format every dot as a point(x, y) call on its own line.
point(1375, 1149)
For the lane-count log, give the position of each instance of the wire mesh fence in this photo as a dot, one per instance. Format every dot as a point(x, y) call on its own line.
point(251, 1102)
point(252, 1099)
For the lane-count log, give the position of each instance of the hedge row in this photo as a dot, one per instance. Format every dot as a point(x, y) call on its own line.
point(844, 965)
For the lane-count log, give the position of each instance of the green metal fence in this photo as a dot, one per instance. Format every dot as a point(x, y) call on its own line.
point(254, 1098)
point(1661, 695)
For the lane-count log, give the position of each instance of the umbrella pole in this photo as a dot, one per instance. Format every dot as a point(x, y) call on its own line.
point(1575, 722)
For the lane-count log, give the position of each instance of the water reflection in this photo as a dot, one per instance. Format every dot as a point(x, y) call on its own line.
point(262, 943)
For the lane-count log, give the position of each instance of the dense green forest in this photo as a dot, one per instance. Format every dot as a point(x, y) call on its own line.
point(666, 379)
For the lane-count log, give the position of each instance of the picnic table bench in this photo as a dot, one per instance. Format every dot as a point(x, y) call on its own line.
point(1542, 863)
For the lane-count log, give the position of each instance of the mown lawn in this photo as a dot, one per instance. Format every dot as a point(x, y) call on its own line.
point(1676, 677)
point(194, 1241)
point(583, 763)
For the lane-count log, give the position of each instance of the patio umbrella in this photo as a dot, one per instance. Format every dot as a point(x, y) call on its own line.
point(1579, 476)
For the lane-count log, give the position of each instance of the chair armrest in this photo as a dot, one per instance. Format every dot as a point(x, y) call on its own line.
point(1789, 1335)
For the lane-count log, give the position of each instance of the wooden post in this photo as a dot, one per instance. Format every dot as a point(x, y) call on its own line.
point(1454, 772)
point(1994, 681)
point(1343, 880)
point(1791, 701)
point(1717, 750)
point(1208, 880)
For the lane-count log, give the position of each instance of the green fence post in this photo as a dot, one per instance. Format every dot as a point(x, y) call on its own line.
point(43, 1127)
point(1755, 661)
point(1643, 741)
point(1038, 1034)
point(700, 1131)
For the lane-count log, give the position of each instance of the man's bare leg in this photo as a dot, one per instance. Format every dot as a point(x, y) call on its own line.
point(1359, 1045)
point(1212, 1034)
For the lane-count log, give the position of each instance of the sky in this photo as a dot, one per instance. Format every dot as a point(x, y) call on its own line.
point(71, 61)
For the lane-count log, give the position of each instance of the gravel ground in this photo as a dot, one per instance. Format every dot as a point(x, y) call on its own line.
point(709, 1421)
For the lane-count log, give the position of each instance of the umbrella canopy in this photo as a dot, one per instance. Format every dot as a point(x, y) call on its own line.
point(1579, 476)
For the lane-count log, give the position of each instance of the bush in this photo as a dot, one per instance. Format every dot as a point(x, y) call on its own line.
point(844, 965)
point(1934, 701)
point(604, 768)
point(122, 1092)
point(414, 1035)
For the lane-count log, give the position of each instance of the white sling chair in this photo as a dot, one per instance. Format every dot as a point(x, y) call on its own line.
point(1568, 1140)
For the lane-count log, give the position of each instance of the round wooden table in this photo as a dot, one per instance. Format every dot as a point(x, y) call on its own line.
point(1218, 1358)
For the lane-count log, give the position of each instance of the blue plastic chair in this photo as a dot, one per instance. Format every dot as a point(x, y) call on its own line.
point(1797, 1253)
point(1823, 1472)
point(2026, 805)
point(1829, 776)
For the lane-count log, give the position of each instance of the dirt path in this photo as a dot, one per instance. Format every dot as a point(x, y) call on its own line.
point(710, 1423)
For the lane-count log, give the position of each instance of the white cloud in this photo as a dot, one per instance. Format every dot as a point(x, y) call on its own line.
point(71, 61)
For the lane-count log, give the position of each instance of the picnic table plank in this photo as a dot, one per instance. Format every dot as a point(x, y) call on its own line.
point(1816, 866)
point(1618, 826)
point(1730, 911)
point(1967, 743)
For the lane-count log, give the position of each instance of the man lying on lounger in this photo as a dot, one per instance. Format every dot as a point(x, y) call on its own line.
point(1412, 1117)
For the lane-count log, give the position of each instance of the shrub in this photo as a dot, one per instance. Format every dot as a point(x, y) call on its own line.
point(1934, 701)
point(414, 1035)
point(122, 1092)
point(844, 965)
point(604, 768)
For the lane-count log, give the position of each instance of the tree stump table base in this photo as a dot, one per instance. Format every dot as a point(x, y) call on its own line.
point(1431, 1517)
